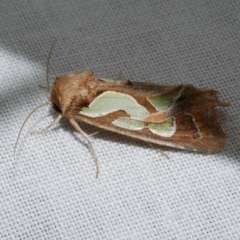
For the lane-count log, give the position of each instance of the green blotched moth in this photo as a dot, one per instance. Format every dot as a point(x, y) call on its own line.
point(181, 116)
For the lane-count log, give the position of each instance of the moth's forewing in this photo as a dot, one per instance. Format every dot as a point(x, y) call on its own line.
point(176, 116)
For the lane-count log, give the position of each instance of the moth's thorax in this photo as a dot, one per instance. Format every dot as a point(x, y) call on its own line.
point(71, 92)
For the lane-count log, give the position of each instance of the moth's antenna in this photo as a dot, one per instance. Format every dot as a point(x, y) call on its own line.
point(48, 63)
point(29, 115)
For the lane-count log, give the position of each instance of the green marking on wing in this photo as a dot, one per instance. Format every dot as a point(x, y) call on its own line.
point(127, 123)
point(110, 101)
point(164, 101)
point(164, 129)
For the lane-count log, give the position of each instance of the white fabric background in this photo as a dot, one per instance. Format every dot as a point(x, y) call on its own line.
point(48, 190)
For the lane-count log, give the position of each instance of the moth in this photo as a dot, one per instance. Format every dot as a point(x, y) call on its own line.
point(180, 116)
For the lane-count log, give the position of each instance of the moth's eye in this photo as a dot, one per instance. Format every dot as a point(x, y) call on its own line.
point(56, 108)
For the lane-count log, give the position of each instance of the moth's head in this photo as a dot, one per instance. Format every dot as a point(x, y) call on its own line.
point(56, 94)
point(71, 92)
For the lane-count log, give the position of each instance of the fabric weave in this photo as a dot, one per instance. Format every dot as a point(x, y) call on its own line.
point(48, 189)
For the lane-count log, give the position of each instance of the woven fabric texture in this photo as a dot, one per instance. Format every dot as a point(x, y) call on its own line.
point(48, 190)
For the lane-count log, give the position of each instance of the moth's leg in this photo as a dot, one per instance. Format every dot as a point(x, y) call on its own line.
point(79, 130)
point(45, 87)
point(159, 150)
point(92, 134)
point(55, 121)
